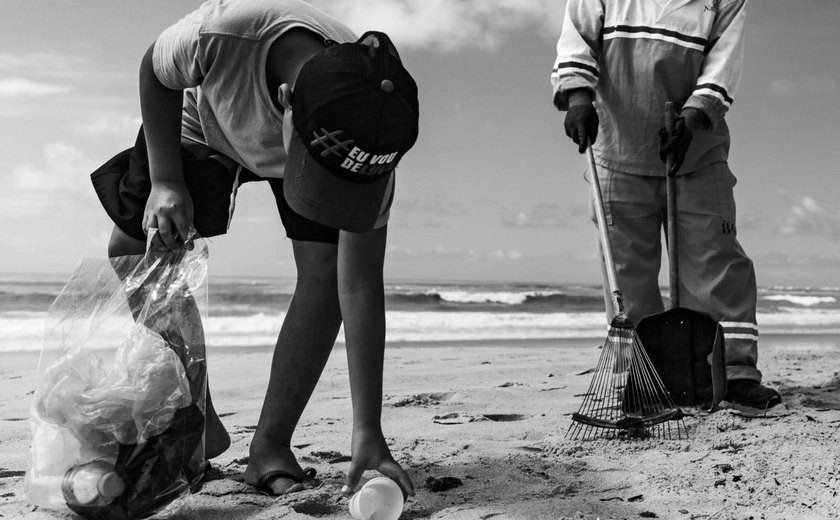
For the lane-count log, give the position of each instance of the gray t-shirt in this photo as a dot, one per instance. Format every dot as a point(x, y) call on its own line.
point(217, 54)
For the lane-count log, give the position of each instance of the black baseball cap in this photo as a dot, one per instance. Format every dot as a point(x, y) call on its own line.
point(355, 116)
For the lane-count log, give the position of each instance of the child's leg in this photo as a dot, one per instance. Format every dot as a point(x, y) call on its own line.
point(122, 244)
point(303, 348)
point(216, 439)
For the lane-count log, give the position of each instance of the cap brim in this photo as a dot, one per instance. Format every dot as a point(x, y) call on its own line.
point(315, 193)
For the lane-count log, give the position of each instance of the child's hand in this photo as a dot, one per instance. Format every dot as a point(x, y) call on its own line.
point(170, 210)
point(370, 451)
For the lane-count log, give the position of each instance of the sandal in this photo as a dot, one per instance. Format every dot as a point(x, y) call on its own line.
point(307, 475)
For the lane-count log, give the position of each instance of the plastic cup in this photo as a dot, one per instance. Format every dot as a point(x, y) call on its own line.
point(379, 499)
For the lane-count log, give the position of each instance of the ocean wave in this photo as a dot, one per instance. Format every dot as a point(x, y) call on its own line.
point(471, 300)
point(504, 297)
point(26, 301)
point(244, 296)
point(24, 331)
point(806, 301)
point(793, 319)
point(239, 302)
point(794, 288)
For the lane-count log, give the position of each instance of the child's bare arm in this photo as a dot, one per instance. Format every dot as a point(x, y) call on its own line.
point(169, 207)
point(362, 299)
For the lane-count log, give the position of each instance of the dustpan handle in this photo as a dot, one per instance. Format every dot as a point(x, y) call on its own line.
point(671, 192)
point(603, 233)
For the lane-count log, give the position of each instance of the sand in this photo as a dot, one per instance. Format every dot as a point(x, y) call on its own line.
point(517, 463)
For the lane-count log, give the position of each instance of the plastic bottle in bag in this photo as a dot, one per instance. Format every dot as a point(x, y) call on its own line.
point(66, 472)
point(56, 450)
point(92, 484)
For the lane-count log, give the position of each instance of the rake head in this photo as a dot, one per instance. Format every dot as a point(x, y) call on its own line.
point(626, 398)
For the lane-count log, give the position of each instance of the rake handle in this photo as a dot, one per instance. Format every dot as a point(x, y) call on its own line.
point(671, 193)
point(603, 233)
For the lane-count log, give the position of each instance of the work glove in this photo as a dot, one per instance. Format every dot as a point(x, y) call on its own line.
point(581, 125)
point(689, 121)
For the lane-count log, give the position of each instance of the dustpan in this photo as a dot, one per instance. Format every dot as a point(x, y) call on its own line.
point(626, 398)
point(685, 346)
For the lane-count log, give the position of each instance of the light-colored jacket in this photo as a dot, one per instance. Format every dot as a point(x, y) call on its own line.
point(637, 54)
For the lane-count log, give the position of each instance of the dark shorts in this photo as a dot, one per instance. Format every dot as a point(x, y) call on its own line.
point(123, 185)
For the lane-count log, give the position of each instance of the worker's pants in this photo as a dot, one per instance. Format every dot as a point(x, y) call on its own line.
point(716, 276)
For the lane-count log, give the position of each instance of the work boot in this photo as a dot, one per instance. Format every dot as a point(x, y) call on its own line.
point(751, 393)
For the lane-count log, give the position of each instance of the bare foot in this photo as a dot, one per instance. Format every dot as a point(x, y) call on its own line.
point(288, 476)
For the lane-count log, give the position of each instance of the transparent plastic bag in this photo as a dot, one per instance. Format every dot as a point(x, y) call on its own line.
point(122, 379)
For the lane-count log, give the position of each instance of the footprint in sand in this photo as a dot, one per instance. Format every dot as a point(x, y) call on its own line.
point(425, 399)
point(241, 430)
point(316, 503)
point(461, 417)
point(329, 456)
point(505, 417)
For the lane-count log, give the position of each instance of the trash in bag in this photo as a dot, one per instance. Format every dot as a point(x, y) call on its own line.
point(118, 414)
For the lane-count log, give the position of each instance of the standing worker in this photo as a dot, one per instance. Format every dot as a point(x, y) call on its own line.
point(617, 65)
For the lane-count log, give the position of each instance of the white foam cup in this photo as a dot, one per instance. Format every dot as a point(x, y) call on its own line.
point(379, 499)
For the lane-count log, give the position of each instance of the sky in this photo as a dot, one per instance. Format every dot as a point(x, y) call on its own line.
point(492, 191)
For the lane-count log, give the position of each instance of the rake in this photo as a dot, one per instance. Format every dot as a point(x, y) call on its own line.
point(626, 398)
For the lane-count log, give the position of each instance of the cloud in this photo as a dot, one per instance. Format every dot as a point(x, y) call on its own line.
point(116, 126)
point(28, 64)
point(56, 184)
point(63, 170)
point(544, 215)
point(60, 87)
point(809, 85)
point(449, 24)
point(37, 74)
point(440, 252)
point(22, 87)
point(807, 216)
point(435, 204)
point(436, 210)
point(512, 254)
point(787, 259)
point(751, 220)
point(61, 67)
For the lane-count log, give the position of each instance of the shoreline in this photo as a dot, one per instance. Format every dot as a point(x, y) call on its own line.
point(22, 358)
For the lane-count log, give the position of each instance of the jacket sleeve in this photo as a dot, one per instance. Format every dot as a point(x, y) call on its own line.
point(578, 50)
point(721, 71)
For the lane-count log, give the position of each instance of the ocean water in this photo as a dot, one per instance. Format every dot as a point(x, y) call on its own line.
point(247, 312)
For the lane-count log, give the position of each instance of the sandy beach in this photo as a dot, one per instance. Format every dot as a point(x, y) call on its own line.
point(508, 406)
